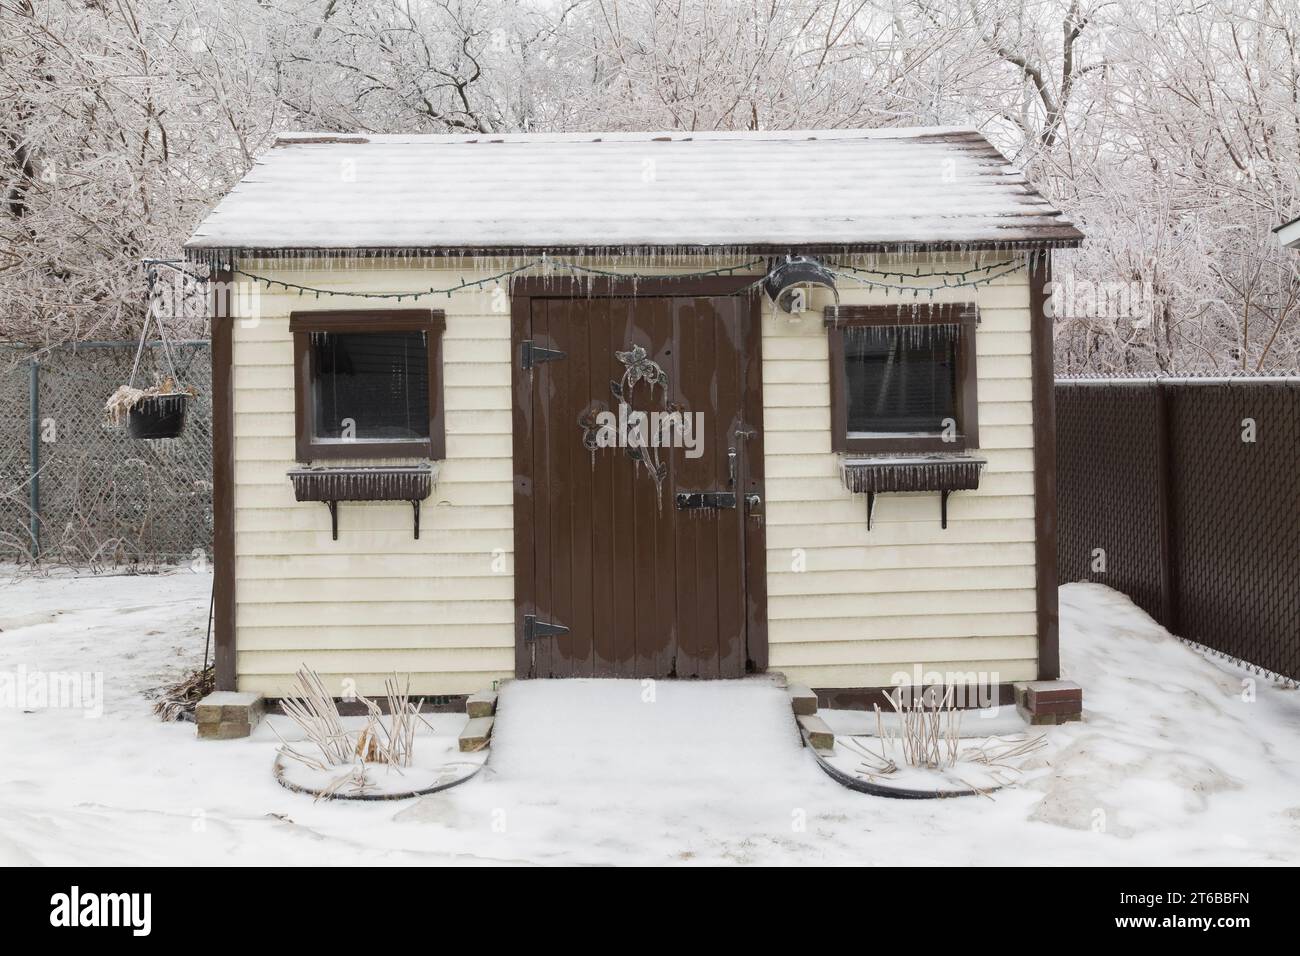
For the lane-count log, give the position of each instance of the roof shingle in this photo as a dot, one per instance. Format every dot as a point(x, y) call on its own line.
point(868, 190)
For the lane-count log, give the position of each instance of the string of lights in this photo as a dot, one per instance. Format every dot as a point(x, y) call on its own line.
point(962, 275)
point(721, 271)
point(302, 289)
point(486, 281)
point(968, 278)
point(916, 291)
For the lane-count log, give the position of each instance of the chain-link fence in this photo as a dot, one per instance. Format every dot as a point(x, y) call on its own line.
point(77, 490)
point(1185, 495)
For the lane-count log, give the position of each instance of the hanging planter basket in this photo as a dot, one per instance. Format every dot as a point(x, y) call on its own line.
point(157, 412)
point(157, 416)
point(150, 413)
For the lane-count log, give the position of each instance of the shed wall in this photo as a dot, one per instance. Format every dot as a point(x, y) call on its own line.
point(865, 605)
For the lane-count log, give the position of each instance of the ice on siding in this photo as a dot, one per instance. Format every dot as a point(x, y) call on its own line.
point(630, 191)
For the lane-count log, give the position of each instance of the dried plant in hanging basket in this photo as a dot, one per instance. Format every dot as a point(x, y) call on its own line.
point(127, 397)
point(150, 413)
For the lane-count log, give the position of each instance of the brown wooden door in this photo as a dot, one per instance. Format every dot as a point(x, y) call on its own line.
point(650, 578)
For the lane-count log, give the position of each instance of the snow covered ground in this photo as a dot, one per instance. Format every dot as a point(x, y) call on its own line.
point(1173, 764)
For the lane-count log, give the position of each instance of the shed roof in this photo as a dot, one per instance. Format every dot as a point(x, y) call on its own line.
point(1289, 233)
point(838, 190)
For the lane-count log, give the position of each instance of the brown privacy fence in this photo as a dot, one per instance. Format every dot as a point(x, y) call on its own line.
point(1185, 495)
point(75, 490)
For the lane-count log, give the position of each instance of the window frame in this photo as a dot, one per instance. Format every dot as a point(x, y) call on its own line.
point(964, 315)
point(303, 324)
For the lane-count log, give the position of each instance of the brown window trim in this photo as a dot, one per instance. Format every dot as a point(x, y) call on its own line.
point(962, 314)
point(302, 324)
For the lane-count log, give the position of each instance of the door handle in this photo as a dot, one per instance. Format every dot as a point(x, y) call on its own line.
point(754, 505)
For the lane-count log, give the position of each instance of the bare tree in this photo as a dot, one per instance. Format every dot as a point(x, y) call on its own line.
point(1169, 132)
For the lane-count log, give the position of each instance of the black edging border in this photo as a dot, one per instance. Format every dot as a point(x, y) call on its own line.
point(896, 793)
point(278, 772)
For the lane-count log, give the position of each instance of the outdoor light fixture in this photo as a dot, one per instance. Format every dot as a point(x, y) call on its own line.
point(787, 277)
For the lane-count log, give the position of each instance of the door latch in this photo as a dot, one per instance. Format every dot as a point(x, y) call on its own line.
point(704, 500)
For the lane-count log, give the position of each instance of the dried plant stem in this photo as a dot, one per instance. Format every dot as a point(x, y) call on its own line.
point(929, 728)
point(386, 738)
point(309, 705)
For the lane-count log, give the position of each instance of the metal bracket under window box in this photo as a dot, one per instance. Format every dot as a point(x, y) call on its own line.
point(904, 473)
point(411, 483)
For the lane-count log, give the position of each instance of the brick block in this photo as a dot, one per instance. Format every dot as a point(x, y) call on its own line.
point(816, 732)
point(802, 699)
point(1053, 691)
point(1049, 702)
point(226, 706)
point(482, 704)
point(477, 733)
point(225, 730)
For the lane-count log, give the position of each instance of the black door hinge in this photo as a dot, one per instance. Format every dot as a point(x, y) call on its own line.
point(534, 628)
point(530, 355)
point(704, 500)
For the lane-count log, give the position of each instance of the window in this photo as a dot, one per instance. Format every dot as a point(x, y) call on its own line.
point(368, 384)
point(903, 380)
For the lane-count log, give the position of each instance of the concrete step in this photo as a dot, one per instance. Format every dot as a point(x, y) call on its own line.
point(482, 704)
point(802, 699)
point(477, 733)
point(817, 734)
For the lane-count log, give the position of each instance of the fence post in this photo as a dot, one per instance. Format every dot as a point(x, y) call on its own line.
point(1165, 508)
point(34, 457)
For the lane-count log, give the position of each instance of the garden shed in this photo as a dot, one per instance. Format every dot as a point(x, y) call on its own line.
point(641, 405)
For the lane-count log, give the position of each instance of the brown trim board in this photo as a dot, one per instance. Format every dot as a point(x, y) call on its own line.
point(756, 643)
point(428, 703)
point(1045, 236)
point(521, 430)
point(865, 698)
point(223, 480)
point(1044, 404)
point(649, 286)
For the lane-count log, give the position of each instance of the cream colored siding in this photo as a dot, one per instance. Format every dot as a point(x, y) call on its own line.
point(375, 601)
point(848, 607)
point(867, 604)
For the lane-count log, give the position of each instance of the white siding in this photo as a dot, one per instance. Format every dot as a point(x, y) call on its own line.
point(867, 605)
point(376, 600)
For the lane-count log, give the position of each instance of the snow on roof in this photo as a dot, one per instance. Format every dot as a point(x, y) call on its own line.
point(868, 190)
